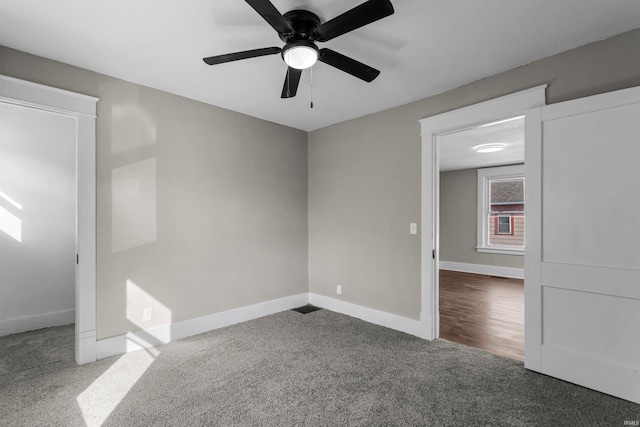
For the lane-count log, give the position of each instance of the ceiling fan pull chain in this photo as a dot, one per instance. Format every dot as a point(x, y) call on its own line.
point(311, 87)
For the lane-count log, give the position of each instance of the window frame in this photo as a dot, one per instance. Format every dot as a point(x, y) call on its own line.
point(485, 175)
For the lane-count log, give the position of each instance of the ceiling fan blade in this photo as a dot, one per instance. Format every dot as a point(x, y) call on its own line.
point(291, 81)
point(268, 11)
point(348, 65)
point(366, 13)
point(246, 54)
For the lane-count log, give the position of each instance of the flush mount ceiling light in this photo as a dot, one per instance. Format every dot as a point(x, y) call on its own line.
point(300, 55)
point(489, 148)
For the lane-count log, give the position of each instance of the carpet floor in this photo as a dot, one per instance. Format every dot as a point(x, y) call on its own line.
point(289, 369)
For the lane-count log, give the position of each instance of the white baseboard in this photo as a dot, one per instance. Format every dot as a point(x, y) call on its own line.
point(392, 321)
point(489, 270)
point(30, 323)
point(151, 337)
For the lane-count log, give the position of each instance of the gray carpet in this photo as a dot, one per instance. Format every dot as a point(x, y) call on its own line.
point(288, 369)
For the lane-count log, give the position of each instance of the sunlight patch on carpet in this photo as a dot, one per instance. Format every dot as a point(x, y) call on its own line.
point(104, 395)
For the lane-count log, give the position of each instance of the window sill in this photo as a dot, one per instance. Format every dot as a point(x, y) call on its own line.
point(502, 250)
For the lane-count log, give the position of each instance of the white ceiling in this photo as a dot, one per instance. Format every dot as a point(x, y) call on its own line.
point(426, 47)
point(456, 149)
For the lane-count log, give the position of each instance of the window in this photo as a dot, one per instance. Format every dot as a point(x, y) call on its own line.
point(501, 210)
point(504, 225)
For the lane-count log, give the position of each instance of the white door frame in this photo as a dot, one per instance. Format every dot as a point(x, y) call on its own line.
point(431, 127)
point(82, 108)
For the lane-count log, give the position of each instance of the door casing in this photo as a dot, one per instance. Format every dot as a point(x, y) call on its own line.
point(82, 109)
point(492, 110)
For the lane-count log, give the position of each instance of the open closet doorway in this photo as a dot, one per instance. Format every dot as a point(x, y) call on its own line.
point(77, 115)
point(481, 228)
point(37, 219)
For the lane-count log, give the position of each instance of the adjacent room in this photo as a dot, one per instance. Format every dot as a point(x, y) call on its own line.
point(482, 236)
point(241, 212)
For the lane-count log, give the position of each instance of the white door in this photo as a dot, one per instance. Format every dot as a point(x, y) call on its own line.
point(582, 289)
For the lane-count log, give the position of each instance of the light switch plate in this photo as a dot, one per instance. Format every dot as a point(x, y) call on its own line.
point(413, 228)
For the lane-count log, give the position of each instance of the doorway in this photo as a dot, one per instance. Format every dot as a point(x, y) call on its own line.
point(81, 110)
point(37, 219)
point(491, 111)
point(580, 296)
point(481, 229)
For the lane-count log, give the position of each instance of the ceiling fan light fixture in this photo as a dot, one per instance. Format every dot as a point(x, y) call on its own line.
point(300, 55)
point(488, 148)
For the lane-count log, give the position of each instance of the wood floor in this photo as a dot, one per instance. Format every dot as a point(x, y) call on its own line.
point(486, 312)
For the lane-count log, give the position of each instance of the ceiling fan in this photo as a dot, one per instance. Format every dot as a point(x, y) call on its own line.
point(301, 29)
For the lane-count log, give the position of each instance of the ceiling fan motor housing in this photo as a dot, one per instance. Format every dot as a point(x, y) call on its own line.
point(303, 23)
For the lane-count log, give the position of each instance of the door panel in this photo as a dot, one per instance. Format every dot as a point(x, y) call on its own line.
point(588, 329)
point(598, 152)
point(583, 250)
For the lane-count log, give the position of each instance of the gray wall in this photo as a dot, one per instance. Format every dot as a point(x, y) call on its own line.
point(200, 209)
point(230, 199)
point(459, 222)
point(364, 174)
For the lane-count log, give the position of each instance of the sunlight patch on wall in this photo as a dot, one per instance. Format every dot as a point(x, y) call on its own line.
point(104, 395)
point(145, 311)
point(132, 128)
point(10, 200)
point(133, 205)
point(9, 223)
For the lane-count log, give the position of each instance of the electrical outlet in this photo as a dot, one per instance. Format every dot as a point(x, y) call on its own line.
point(146, 314)
point(413, 228)
point(339, 289)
